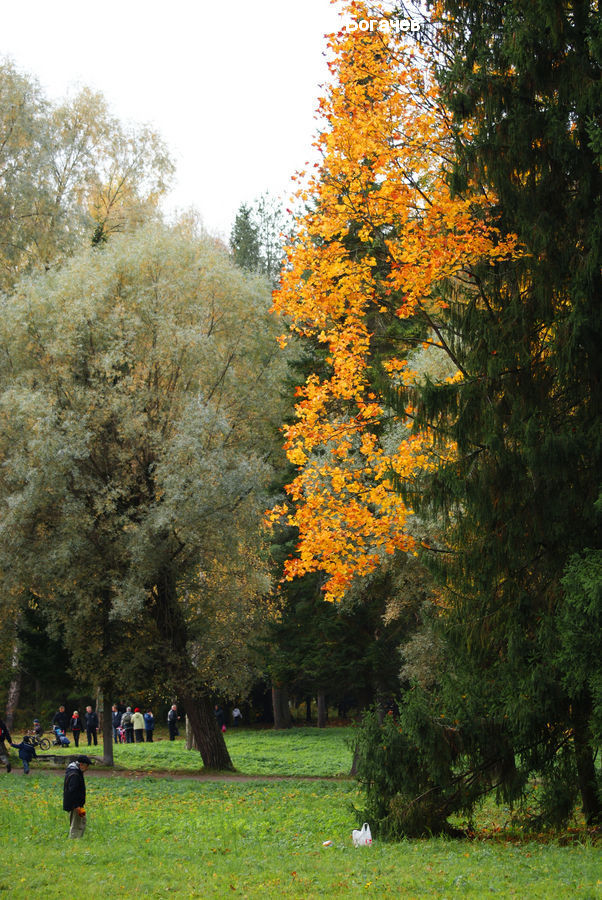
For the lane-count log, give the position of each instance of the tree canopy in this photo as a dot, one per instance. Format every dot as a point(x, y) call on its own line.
point(69, 172)
point(135, 446)
point(451, 165)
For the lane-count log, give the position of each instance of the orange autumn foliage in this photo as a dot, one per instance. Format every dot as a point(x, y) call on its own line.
point(381, 233)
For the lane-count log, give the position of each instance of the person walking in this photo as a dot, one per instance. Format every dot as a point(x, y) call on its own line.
point(74, 795)
point(115, 722)
point(91, 726)
point(4, 737)
point(236, 716)
point(219, 717)
point(77, 726)
point(128, 726)
point(27, 752)
point(149, 725)
point(172, 722)
point(61, 719)
point(138, 723)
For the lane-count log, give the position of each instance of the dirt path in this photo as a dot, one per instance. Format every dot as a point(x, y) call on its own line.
point(182, 776)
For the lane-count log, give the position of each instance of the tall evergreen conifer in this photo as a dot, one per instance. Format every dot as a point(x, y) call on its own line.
point(520, 497)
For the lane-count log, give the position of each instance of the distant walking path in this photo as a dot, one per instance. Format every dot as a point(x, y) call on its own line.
point(187, 776)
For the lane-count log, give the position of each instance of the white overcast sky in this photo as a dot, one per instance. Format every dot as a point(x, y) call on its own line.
point(231, 87)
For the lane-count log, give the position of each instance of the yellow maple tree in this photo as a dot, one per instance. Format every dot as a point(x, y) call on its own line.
point(382, 233)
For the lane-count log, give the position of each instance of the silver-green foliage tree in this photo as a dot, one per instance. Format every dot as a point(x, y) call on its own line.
point(136, 390)
point(69, 173)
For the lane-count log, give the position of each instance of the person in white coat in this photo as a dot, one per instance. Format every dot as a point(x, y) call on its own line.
point(138, 723)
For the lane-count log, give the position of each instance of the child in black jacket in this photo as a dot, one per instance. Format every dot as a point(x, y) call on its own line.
point(27, 752)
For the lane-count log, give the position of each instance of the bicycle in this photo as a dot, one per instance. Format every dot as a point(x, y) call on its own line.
point(37, 741)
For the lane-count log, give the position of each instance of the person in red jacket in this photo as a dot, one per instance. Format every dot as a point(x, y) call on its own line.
point(77, 726)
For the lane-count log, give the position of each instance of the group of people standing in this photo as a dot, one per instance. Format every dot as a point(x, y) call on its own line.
point(220, 717)
point(128, 727)
point(132, 727)
point(77, 724)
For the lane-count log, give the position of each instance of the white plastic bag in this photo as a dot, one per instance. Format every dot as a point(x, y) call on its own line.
point(363, 837)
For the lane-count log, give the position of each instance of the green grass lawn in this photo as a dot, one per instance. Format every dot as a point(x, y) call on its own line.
point(298, 751)
point(257, 838)
point(253, 839)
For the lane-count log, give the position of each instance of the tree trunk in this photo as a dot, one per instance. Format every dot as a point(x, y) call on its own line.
point(356, 753)
point(586, 775)
point(322, 710)
point(14, 688)
point(107, 729)
point(207, 736)
point(380, 707)
point(308, 710)
point(191, 744)
point(282, 713)
point(355, 760)
point(171, 623)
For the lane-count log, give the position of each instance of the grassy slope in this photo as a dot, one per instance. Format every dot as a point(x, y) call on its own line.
point(252, 840)
point(255, 839)
point(300, 751)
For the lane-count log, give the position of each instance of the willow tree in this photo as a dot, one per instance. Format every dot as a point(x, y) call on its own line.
point(70, 174)
point(135, 389)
